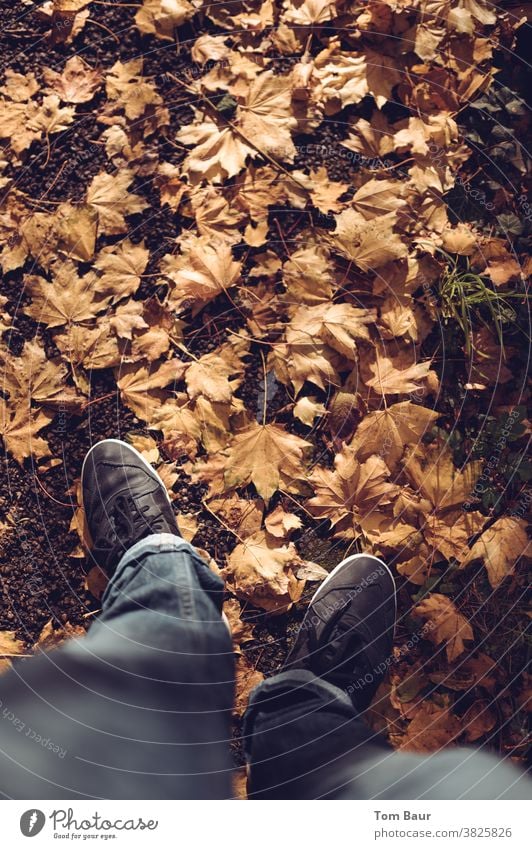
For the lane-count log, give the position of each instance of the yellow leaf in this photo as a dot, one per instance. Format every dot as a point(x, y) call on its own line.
point(390, 379)
point(369, 244)
point(351, 493)
point(76, 230)
point(204, 270)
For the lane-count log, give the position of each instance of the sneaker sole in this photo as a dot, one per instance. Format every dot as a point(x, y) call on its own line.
point(348, 561)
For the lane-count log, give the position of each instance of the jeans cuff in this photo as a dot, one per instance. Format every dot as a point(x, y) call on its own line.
point(152, 544)
point(283, 692)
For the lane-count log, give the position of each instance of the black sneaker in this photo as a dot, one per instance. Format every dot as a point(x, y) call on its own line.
point(124, 500)
point(346, 636)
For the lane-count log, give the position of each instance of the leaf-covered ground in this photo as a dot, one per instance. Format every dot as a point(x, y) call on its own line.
point(281, 248)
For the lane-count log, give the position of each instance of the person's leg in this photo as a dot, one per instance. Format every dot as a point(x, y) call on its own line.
point(302, 727)
point(303, 732)
point(140, 707)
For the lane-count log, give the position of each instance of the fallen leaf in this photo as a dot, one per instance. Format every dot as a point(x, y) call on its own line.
point(109, 195)
point(261, 571)
point(268, 457)
point(446, 624)
point(500, 547)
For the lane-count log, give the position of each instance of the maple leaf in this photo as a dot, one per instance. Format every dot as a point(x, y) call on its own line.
point(33, 375)
point(268, 457)
point(77, 83)
point(15, 124)
point(68, 298)
point(127, 318)
point(391, 379)
point(180, 427)
point(449, 532)
point(308, 12)
point(309, 276)
point(432, 728)
point(369, 244)
point(341, 77)
point(500, 547)
point(261, 571)
point(204, 270)
point(218, 153)
point(339, 325)
point(432, 472)
point(378, 197)
point(19, 428)
point(109, 195)
point(50, 117)
point(387, 432)
point(266, 116)
point(141, 387)
point(446, 624)
point(303, 358)
point(122, 267)
point(325, 194)
point(19, 87)
point(210, 375)
point(161, 17)
point(90, 347)
point(76, 230)
point(349, 495)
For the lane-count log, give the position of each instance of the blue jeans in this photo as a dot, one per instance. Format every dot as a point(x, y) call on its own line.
point(140, 708)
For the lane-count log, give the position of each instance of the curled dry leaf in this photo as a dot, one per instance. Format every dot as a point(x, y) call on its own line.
point(261, 571)
point(10, 646)
point(280, 524)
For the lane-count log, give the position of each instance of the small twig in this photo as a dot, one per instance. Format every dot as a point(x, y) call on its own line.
point(48, 150)
point(265, 402)
point(97, 400)
point(98, 24)
point(52, 184)
point(61, 503)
